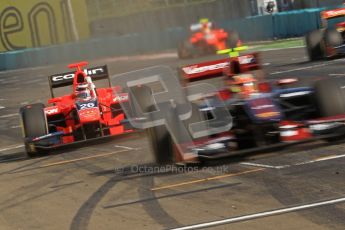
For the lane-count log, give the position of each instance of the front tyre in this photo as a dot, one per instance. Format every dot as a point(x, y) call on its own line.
point(330, 96)
point(34, 124)
point(162, 143)
point(315, 45)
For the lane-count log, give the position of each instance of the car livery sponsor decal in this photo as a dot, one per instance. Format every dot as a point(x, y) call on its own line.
point(199, 69)
point(66, 79)
point(121, 98)
point(51, 110)
point(67, 76)
point(267, 114)
point(246, 59)
point(263, 108)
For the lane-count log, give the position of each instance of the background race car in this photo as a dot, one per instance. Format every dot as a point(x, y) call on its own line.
point(328, 41)
point(88, 113)
point(205, 39)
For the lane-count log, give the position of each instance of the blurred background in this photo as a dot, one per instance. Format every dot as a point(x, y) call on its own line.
point(127, 16)
point(83, 29)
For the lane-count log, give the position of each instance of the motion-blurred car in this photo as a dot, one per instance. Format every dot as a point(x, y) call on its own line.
point(328, 41)
point(266, 114)
point(205, 39)
point(88, 113)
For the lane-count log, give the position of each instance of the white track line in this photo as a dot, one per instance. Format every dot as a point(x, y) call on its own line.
point(296, 164)
point(2, 107)
point(10, 81)
point(275, 49)
point(264, 166)
point(308, 67)
point(322, 159)
point(337, 74)
point(126, 147)
point(262, 214)
point(9, 115)
point(11, 147)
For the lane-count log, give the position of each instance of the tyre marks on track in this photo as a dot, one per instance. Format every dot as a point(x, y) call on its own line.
point(155, 211)
point(82, 218)
point(153, 208)
point(32, 192)
point(175, 194)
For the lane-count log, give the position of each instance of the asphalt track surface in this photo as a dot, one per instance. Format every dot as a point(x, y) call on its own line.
point(113, 186)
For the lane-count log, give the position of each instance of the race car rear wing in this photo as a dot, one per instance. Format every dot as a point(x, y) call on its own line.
point(66, 79)
point(204, 70)
point(218, 68)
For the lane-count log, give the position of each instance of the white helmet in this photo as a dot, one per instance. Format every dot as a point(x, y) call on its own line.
point(83, 92)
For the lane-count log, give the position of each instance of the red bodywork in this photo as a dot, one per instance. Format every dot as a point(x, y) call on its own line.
point(221, 67)
point(70, 120)
point(216, 38)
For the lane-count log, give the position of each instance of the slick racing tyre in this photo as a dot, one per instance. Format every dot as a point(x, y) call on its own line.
point(186, 50)
point(34, 124)
point(330, 96)
point(333, 38)
point(315, 45)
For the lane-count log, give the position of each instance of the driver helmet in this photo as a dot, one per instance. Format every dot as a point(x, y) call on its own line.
point(244, 84)
point(83, 92)
point(205, 25)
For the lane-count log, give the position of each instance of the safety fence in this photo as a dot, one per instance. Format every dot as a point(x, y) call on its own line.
point(281, 25)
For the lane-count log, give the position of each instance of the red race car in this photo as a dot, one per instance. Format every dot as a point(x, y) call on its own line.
point(206, 40)
point(88, 113)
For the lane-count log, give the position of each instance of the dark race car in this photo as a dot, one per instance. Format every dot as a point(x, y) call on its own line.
point(329, 41)
point(205, 39)
point(265, 114)
point(87, 113)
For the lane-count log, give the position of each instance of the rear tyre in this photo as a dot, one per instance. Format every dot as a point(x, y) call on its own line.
point(330, 96)
point(333, 38)
point(185, 50)
point(161, 144)
point(315, 45)
point(34, 125)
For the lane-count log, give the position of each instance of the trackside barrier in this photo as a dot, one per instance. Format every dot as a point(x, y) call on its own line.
point(280, 25)
point(130, 44)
